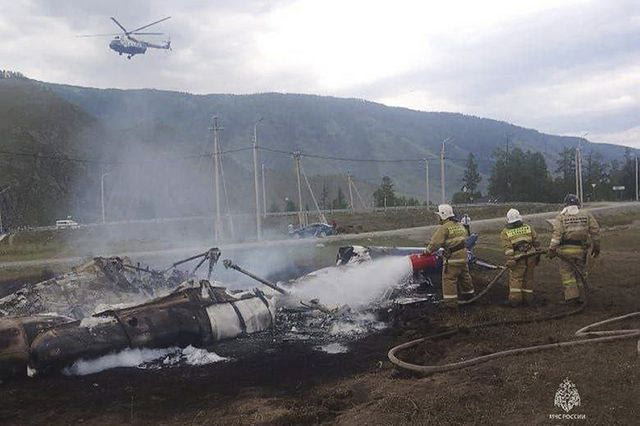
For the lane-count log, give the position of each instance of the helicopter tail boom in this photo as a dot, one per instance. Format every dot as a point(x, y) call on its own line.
point(166, 45)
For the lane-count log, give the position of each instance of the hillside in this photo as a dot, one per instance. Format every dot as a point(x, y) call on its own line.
point(326, 126)
point(33, 119)
point(157, 143)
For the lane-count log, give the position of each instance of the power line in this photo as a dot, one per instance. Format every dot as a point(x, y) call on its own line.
point(335, 158)
point(50, 157)
point(58, 157)
point(230, 151)
point(109, 162)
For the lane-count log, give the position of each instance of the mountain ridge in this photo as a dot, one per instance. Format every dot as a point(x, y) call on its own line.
point(125, 125)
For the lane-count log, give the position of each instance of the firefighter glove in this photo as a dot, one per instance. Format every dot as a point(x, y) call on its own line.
point(510, 263)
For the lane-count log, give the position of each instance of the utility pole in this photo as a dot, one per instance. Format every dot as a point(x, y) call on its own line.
point(102, 196)
point(507, 174)
point(350, 191)
point(577, 180)
point(444, 198)
point(579, 192)
point(255, 180)
point(578, 161)
point(637, 199)
point(1, 224)
point(217, 225)
point(296, 157)
point(580, 177)
point(264, 193)
point(426, 175)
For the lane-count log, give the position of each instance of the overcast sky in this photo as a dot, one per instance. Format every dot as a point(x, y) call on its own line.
point(566, 67)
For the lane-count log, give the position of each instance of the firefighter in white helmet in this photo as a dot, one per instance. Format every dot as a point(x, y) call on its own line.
point(451, 236)
point(574, 232)
point(519, 240)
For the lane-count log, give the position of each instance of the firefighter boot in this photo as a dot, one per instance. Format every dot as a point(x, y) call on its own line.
point(572, 259)
point(450, 286)
point(516, 279)
point(527, 283)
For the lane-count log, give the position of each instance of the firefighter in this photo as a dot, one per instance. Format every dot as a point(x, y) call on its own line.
point(574, 232)
point(518, 240)
point(451, 237)
point(466, 222)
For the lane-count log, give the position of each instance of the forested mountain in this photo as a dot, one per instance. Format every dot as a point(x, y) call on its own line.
point(34, 120)
point(156, 144)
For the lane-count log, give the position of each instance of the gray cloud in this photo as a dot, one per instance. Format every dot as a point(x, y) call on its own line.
point(518, 72)
point(571, 69)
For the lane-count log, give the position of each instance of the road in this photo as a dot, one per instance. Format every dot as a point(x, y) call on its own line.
point(417, 233)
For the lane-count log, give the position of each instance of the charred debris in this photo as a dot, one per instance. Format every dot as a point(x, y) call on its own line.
point(110, 304)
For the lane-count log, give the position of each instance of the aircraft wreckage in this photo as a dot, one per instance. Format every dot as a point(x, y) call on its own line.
point(109, 304)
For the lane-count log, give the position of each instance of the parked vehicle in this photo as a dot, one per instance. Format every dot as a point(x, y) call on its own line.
point(66, 224)
point(314, 230)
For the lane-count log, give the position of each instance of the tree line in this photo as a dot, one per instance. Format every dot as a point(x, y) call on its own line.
point(385, 196)
point(519, 175)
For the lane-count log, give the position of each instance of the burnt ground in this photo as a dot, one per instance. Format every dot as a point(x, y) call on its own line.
point(276, 382)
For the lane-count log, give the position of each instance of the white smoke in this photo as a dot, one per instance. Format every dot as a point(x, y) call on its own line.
point(355, 285)
point(140, 357)
point(125, 358)
point(194, 356)
point(333, 348)
point(358, 324)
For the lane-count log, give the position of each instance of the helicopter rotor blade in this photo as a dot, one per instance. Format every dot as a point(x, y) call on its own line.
point(148, 25)
point(120, 25)
point(146, 33)
point(98, 35)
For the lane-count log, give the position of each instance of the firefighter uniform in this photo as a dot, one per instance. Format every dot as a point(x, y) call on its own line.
point(517, 240)
point(574, 230)
point(451, 235)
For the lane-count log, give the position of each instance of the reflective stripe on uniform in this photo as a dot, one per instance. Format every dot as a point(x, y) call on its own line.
point(525, 290)
point(515, 290)
point(467, 292)
point(524, 230)
point(456, 230)
point(571, 249)
point(446, 296)
point(569, 282)
point(456, 261)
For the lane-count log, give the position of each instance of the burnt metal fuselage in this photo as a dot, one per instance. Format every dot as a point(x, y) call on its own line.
point(192, 315)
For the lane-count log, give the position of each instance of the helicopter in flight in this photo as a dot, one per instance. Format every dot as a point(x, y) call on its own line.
point(125, 43)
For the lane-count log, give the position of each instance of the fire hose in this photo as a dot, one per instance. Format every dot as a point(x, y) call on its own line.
point(586, 332)
point(504, 269)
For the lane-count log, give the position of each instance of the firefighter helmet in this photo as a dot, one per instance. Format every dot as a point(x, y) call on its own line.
point(445, 211)
point(513, 216)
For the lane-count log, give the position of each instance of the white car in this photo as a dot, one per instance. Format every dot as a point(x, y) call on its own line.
point(66, 223)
